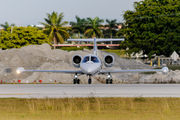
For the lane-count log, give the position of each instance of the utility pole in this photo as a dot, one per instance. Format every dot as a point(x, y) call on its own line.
point(11, 31)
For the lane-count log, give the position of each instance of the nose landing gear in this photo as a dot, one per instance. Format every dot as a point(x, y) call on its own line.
point(76, 80)
point(109, 79)
point(89, 80)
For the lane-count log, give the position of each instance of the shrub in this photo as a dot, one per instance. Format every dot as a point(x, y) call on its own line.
point(22, 36)
point(120, 53)
point(139, 99)
point(73, 48)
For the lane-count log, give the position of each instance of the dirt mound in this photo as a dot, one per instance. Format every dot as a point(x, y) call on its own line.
point(42, 57)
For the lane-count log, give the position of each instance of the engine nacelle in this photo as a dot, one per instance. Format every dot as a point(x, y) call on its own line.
point(76, 60)
point(109, 60)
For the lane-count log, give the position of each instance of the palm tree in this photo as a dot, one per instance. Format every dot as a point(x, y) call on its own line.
point(111, 28)
point(6, 25)
point(54, 27)
point(92, 28)
point(79, 26)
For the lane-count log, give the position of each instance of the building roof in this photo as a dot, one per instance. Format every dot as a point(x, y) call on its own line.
point(1, 28)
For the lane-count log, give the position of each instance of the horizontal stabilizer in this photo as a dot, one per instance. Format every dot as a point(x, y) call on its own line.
point(105, 40)
point(82, 40)
point(97, 40)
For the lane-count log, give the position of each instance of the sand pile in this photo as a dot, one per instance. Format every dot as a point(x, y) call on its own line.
point(41, 57)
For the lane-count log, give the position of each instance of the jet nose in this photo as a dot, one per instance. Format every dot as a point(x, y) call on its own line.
point(89, 68)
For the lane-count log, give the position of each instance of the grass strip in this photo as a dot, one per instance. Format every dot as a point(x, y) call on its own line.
point(138, 108)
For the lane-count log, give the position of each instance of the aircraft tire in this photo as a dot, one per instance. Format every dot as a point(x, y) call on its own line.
point(78, 81)
point(107, 81)
point(111, 81)
point(74, 81)
point(89, 81)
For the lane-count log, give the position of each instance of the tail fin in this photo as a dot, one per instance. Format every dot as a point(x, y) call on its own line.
point(95, 42)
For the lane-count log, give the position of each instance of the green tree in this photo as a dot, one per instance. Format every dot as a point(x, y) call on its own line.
point(6, 25)
point(22, 36)
point(92, 27)
point(40, 28)
point(110, 28)
point(78, 26)
point(153, 27)
point(54, 28)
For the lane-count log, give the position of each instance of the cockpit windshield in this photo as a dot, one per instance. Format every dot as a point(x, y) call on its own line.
point(94, 59)
point(85, 59)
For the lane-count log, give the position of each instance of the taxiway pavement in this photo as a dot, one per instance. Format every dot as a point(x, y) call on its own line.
point(85, 90)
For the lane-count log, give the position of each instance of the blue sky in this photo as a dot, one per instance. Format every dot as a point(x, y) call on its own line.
point(28, 12)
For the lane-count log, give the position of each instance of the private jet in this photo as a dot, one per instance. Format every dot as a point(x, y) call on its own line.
point(91, 64)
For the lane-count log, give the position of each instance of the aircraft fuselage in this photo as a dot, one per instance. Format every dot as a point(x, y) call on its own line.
point(91, 65)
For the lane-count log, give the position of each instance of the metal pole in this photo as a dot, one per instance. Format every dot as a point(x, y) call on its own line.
point(11, 31)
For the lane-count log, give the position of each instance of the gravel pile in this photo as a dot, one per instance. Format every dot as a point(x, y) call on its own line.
point(42, 57)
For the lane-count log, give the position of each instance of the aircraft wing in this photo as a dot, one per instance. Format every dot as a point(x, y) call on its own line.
point(21, 70)
point(164, 70)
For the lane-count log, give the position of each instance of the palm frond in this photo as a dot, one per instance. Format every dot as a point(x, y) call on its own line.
point(89, 20)
point(59, 19)
point(61, 40)
point(77, 19)
point(50, 18)
point(48, 21)
point(87, 31)
point(51, 35)
point(46, 25)
point(65, 28)
point(64, 33)
point(107, 20)
point(54, 17)
point(73, 24)
point(63, 23)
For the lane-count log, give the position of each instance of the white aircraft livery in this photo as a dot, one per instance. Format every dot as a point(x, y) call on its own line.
point(91, 65)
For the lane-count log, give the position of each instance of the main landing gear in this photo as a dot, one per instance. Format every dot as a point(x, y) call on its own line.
point(109, 79)
point(76, 80)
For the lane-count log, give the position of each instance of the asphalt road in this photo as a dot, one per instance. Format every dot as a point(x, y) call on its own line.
point(85, 90)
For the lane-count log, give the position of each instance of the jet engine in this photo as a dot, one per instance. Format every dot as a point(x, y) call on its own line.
point(109, 60)
point(76, 60)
